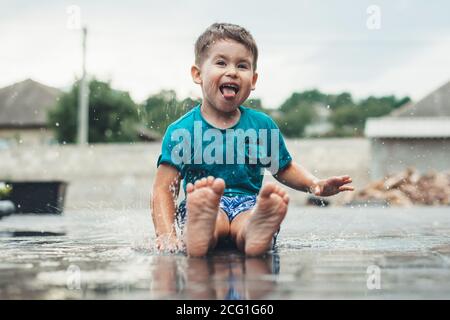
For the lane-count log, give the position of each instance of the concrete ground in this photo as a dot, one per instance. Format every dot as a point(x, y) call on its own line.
point(323, 253)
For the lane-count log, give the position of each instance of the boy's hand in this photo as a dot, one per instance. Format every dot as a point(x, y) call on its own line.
point(168, 243)
point(331, 186)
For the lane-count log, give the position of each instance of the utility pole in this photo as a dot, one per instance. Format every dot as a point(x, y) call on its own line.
point(83, 100)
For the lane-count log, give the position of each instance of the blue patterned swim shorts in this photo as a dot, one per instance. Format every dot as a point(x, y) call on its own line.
point(232, 206)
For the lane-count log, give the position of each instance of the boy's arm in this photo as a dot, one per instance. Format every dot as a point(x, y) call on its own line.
point(165, 192)
point(297, 177)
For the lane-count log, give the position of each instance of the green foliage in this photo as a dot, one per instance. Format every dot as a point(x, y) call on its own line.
point(255, 104)
point(341, 100)
point(298, 111)
point(350, 119)
point(161, 109)
point(112, 115)
point(310, 97)
point(294, 122)
point(347, 116)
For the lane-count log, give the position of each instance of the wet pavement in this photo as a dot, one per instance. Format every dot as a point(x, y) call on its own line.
point(322, 253)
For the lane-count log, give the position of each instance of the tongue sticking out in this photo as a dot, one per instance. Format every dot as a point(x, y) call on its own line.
point(228, 93)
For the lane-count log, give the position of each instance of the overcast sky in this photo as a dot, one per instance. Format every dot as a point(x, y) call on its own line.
point(146, 46)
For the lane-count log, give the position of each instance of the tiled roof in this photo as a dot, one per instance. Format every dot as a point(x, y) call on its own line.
point(435, 104)
point(26, 103)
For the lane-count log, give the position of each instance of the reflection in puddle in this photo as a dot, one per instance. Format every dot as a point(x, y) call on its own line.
point(17, 234)
point(222, 276)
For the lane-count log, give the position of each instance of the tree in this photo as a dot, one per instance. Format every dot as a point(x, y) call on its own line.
point(112, 115)
point(347, 116)
point(163, 108)
point(350, 119)
point(298, 111)
point(310, 97)
point(294, 122)
point(340, 100)
point(255, 104)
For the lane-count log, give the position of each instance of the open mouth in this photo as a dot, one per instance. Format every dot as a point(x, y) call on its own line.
point(229, 90)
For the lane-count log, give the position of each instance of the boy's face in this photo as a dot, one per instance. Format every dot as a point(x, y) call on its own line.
point(226, 75)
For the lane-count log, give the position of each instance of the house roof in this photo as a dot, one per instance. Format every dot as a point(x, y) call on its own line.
point(435, 104)
point(412, 127)
point(427, 118)
point(26, 103)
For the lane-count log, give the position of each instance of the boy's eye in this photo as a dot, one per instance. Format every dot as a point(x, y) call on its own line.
point(220, 63)
point(243, 66)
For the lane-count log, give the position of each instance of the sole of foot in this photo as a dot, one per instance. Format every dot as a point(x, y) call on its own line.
point(265, 219)
point(202, 204)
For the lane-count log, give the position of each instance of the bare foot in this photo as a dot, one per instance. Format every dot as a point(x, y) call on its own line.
point(202, 207)
point(265, 219)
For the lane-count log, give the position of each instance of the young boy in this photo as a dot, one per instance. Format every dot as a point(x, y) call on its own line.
point(221, 149)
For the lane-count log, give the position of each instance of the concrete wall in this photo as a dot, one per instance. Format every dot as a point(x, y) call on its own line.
point(394, 155)
point(121, 175)
point(26, 136)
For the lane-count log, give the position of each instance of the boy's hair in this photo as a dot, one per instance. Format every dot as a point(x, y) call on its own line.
point(223, 31)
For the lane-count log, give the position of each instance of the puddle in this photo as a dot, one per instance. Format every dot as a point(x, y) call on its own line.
point(321, 253)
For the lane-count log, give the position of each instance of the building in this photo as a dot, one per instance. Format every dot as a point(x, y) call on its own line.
point(23, 112)
point(416, 135)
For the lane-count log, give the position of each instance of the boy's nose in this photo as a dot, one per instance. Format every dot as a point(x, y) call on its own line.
point(231, 71)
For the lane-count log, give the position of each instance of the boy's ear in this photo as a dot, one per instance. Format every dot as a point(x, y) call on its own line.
point(255, 78)
point(195, 73)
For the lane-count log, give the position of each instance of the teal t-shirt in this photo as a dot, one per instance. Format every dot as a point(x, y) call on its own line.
point(240, 154)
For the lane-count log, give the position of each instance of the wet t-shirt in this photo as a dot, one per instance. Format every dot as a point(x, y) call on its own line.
point(240, 155)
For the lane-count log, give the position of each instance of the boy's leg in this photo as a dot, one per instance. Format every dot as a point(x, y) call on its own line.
point(253, 230)
point(204, 226)
point(164, 278)
point(198, 279)
point(260, 268)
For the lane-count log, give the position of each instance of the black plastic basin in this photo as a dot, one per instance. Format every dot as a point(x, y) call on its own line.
point(37, 196)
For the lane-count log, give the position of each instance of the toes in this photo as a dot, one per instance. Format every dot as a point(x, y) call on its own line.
point(271, 188)
point(286, 199)
point(267, 189)
point(282, 192)
point(218, 186)
point(200, 183)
